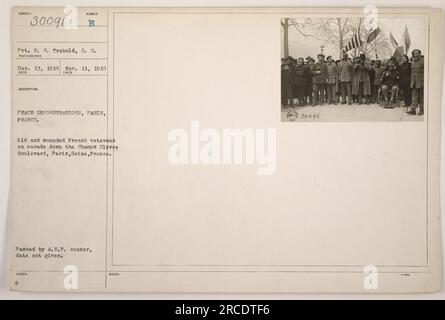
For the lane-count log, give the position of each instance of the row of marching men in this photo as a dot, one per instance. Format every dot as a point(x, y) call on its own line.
point(357, 80)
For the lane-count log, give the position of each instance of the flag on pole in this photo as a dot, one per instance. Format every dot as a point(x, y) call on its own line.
point(393, 40)
point(355, 42)
point(373, 35)
point(398, 53)
point(407, 40)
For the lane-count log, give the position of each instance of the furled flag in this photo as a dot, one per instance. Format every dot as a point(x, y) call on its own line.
point(398, 53)
point(355, 42)
point(406, 39)
point(393, 40)
point(372, 35)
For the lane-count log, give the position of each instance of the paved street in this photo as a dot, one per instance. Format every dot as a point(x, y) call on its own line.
point(372, 112)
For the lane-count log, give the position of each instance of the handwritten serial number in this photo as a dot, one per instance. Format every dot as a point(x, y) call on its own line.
point(47, 21)
point(294, 115)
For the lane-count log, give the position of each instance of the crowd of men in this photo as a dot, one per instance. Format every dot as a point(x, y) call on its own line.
point(353, 80)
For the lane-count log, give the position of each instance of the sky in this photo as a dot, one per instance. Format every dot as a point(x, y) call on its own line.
point(300, 46)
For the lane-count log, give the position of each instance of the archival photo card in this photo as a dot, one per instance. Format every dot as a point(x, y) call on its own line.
point(150, 152)
point(354, 68)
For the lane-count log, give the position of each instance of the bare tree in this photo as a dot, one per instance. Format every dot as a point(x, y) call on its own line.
point(333, 30)
point(285, 27)
point(295, 24)
point(337, 32)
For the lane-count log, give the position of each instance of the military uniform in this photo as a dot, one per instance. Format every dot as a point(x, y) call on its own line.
point(361, 85)
point(319, 74)
point(300, 80)
point(417, 82)
point(345, 78)
point(286, 85)
point(331, 85)
point(390, 80)
point(378, 73)
point(308, 89)
point(405, 82)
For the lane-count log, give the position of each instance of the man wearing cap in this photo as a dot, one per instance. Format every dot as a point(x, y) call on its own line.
point(362, 81)
point(319, 75)
point(300, 76)
point(286, 83)
point(283, 86)
point(405, 80)
point(332, 78)
point(294, 82)
point(417, 79)
point(345, 77)
point(308, 88)
point(338, 86)
point(378, 73)
point(390, 81)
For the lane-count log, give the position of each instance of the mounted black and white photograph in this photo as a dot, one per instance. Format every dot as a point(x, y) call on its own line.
point(353, 68)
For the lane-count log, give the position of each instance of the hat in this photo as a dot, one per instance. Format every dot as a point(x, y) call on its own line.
point(416, 50)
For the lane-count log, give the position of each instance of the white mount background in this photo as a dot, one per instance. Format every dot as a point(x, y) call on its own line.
point(5, 136)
